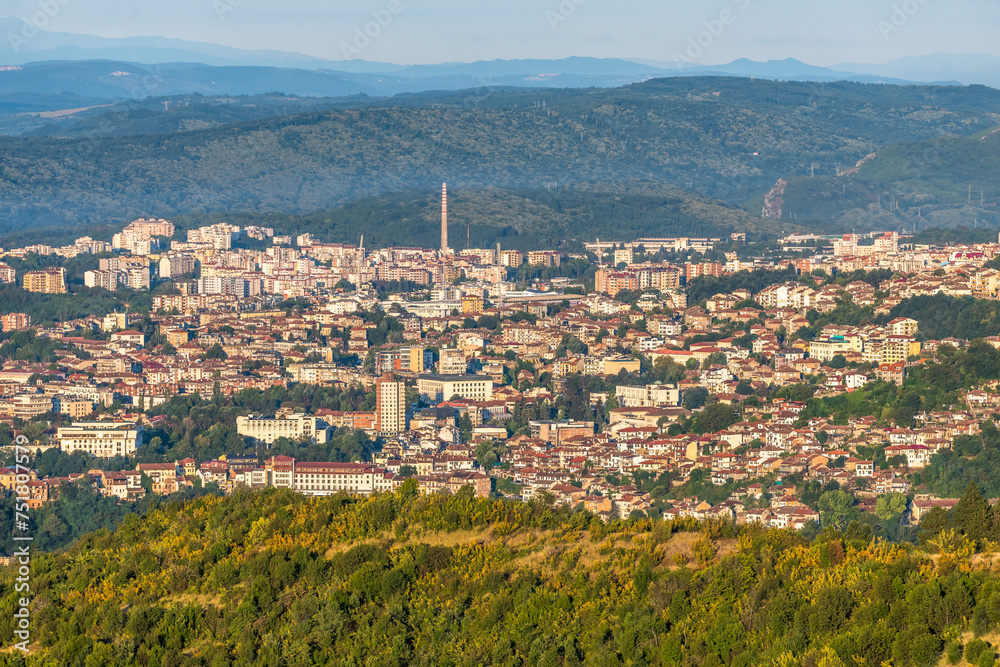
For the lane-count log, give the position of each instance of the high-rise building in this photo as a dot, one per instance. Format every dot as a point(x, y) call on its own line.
point(390, 405)
point(171, 266)
point(15, 321)
point(49, 281)
point(102, 278)
point(452, 361)
point(415, 359)
point(444, 217)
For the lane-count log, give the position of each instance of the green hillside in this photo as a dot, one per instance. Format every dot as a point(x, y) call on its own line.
point(943, 182)
point(730, 139)
point(273, 579)
point(519, 218)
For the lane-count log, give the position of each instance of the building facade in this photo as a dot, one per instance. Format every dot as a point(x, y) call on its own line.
point(101, 439)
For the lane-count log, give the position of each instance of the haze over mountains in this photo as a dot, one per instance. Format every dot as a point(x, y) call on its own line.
point(253, 73)
point(201, 129)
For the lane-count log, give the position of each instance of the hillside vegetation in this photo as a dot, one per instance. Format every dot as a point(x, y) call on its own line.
point(519, 219)
point(726, 138)
point(271, 578)
point(943, 182)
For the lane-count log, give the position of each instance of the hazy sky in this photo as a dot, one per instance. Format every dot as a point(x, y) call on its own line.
point(431, 31)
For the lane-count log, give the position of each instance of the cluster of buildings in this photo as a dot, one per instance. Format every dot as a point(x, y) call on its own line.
point(230, 473)
point(471, 350)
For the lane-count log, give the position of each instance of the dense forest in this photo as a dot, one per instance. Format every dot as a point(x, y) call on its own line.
point(272, 578)
point(943, 316)
point(726, 138)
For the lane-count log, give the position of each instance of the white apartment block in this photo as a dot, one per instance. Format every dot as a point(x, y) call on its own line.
point(452, 362)
point(390, 407)
point(219, 236)
point(101, 439)
point(648, 396)
point(294, 427)
point(101, 278)
point(324, 479)
point(439, 388)
point(172, 266)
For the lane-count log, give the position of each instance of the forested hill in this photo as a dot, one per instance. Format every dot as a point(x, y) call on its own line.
point(523, 218)
point(720, 137)
point(942, 182)
point(273, 579)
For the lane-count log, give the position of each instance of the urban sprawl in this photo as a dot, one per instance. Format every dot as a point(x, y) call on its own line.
point(465, 356)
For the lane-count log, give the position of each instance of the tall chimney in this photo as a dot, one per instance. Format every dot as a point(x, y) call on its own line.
point(444, 217)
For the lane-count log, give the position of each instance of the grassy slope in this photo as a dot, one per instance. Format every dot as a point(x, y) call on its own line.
point(271, 578)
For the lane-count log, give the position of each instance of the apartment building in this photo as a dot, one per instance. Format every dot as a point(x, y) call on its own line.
point(47, 281)
point(511, 258)
point(611, 282)
point(103, 439)
point(26, 406)
point(439, 388)
point(390, 406)
point(15, 322)
point(324, 479)
point(101, 278)
point(452, 362)
point(172, 266)
point(896, 349)
point(72, 406)
point(651, 395)
point(294, 427)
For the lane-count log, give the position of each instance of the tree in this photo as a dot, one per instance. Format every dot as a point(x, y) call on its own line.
point(465, 426)
point(486, 455)
point(972, 513)
point(695, 398)
point(716, 359)
point(715, 417)
point(838, 361)
point(836, 508)
point(215, 352)
point(890, 506)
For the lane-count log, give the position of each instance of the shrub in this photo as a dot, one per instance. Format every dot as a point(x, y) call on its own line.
point(974, 649)
point(953, 652)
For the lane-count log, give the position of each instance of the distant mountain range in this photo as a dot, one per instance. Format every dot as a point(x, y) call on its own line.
point(54, 85)
point(110, 129)
point(259, 71)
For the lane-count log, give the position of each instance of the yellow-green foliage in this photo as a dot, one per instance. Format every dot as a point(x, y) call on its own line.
point(272, 578)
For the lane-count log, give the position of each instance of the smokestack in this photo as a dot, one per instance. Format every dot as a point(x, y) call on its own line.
point(444, 217)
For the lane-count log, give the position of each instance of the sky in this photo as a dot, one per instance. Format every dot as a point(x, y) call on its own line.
point(824, 32)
